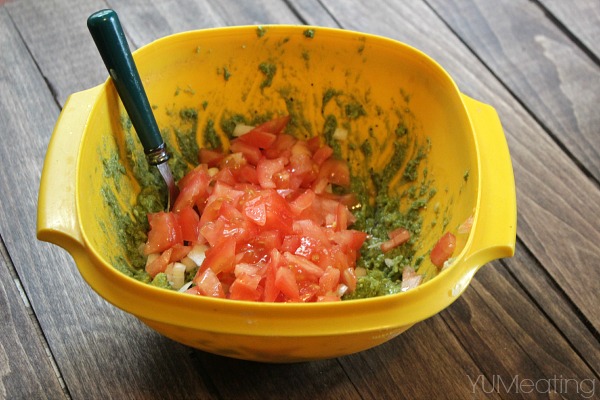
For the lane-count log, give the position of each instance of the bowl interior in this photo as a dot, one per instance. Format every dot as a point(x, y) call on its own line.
point(383, 93)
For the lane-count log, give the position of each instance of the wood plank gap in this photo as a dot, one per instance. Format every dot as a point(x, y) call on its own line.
point(556, 287)
point(567, 32)
point(540, 122)
point(51, 87)
point(32, 316)
point(295, 12)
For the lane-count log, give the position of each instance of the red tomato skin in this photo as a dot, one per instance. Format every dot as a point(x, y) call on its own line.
point(160, 264)
point(276, 125)
point(397, 237)
point(259, 137)
point(211, 158)
point(336, 172)
point(250, 151)
point(322, 154)
point(193, 185)
point(281, 147)
point(165, 232)
point(443, 249)
point(267, 168)
point(285, 281)
point(208, 284)
point(220, 257)
point(178, 252)
point(189, 220)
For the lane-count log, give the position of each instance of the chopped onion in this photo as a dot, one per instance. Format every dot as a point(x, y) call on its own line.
point(411, 282)
point(196, 254)
point(241, 129)
point(340, 134)
point(189, 263)
point(466, 226)
point(360, 271)
point(177, 275)
point(186, 286)
point(151, 257)
point(341, 289)
point(410, 279)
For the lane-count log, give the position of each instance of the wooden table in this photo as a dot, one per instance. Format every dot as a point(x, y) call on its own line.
point(527, 327)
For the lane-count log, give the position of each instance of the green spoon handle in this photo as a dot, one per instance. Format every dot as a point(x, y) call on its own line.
point(110, 40)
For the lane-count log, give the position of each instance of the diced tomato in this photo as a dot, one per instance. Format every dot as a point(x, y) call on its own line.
point(349, 278)
point(281, 147)
point(329, 280)
point(267, 168)
point(211, 158)
point(250, 150)
point(271, 211)
point(285, 281)
point(189, 220)
point(220, 257)
point(178, 252)
point(164, 233)
point(397, 237)
point(336, 172)
point(271, 292)
point(322, 154)
point(302, 202)
point(259, 137)
point(159, 264)
point(245, 286)
point(314, 144)
point(350, 239)
point(304, 264)
point(208, 284)
point(275, 125)
point(443, 249)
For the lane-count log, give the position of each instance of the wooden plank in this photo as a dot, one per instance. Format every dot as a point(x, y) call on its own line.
point(61, 45)
point(581, 18)
point(543, 290)
point(506, 336)
point(553, 194)
point(147, 22)
point(26, 370)
point(539, 64)
point(425, 362)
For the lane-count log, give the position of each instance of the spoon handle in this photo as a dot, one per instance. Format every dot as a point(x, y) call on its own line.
point(110, 40)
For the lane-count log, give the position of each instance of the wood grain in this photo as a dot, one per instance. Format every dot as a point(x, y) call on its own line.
point(539, 64)
point(406, 368)
point(504, 336)
point(580, 18)
point(25, 367)
point(61, 45)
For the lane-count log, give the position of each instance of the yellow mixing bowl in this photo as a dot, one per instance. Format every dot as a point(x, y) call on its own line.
point(372, 86)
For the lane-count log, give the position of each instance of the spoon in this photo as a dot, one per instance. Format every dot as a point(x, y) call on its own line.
point(110, 40)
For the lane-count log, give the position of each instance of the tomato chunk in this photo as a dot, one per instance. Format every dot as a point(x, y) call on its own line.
point(443, 249)
point(165, 232)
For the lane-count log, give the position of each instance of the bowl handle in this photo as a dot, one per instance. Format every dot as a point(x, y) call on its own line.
point(57, 210)
point(495, 227)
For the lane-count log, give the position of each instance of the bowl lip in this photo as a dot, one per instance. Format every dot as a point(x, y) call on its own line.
point(446, 278)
